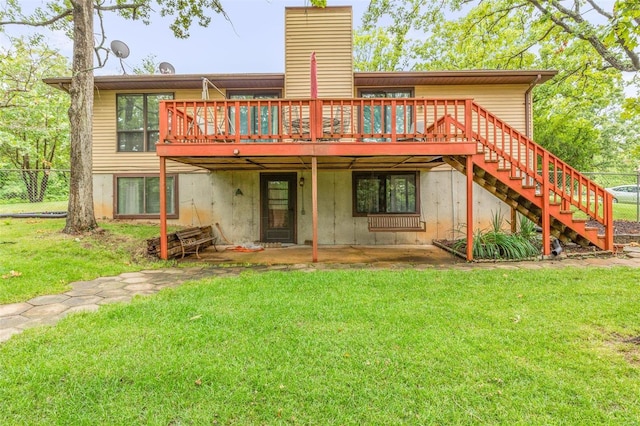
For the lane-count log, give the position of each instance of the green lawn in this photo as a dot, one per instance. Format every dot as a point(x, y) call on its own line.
point(548, 346)
point(342, 347)
point(48, 260)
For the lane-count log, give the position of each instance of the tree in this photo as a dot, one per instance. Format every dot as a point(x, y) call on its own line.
point(578, 115)
point(35, 135)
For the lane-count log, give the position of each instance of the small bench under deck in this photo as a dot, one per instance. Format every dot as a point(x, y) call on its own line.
point(396, 223)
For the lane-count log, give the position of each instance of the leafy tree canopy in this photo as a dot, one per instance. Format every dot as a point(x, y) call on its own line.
point(579, 115)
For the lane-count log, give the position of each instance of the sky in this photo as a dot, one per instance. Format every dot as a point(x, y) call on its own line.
point(252, 42)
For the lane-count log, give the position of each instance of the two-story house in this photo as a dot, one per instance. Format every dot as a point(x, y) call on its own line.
point(326, 155)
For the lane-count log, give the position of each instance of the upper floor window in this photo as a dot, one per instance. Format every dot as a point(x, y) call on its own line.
point(385, 192)
point(138, 121)
point(256, 120)
point(377, 119)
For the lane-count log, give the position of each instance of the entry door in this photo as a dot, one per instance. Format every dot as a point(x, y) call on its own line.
point(278, 207)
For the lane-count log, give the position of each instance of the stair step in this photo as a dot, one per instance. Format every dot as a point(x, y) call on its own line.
point(566, 211)
point(528, 186)
point(491, 161)
point(591, 228)
point(504, 169)
point(580, 220)
point(515, 177)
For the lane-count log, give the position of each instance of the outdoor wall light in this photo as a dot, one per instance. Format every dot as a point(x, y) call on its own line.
point(301, 181)
point(239, 191)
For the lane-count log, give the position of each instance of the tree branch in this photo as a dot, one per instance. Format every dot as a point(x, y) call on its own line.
point(596, 43)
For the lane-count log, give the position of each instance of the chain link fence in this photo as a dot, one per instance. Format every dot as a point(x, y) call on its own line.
point(625, 188)
point(48, 190)
point(36, 190)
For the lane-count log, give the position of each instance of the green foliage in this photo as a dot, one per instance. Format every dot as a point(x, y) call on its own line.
point(34, 134)
point(579, 116)
point(495, 243)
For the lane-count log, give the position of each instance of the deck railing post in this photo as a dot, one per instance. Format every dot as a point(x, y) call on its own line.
point(468, 119)
point(163, 129)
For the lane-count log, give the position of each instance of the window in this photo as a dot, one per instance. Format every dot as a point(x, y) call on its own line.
point(377, 119)
point(256, 120)
point(138, 121)
point(385, 192)
point(139, 196)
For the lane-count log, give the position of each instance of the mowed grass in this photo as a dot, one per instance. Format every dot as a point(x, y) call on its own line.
point(342, 347)
point(36, 258)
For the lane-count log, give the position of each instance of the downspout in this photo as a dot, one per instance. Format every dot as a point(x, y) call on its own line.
point(528, 107)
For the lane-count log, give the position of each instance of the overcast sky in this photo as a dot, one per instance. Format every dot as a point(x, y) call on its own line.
point(252, 42)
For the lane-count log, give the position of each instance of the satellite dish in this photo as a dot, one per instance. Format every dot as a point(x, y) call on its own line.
point(166, 68)
point(120, 49)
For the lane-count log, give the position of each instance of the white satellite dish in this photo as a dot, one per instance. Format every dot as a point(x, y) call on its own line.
point(120, 49)
point(166, 68)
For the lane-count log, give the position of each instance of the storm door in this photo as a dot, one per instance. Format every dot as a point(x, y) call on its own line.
point(278, 207)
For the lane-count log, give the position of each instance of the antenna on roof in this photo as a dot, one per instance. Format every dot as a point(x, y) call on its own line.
point(166, 68)
point(121, 50)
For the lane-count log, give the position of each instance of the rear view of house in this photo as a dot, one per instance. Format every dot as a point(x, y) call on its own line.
point(326, 155)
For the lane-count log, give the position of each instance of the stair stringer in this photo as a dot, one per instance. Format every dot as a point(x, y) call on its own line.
point(527, 202)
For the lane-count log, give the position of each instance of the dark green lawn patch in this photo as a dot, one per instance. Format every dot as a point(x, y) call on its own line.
point(341, 347)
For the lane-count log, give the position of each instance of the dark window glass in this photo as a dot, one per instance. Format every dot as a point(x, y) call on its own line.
point(385, 192)
point(138, 121)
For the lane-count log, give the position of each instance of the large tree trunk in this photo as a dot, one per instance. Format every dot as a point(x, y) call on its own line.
point(81, 217)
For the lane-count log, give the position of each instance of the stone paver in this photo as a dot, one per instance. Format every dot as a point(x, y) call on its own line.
point(88, 296)
point(14, 309)
point(45, 310)
point(48, 300)
point(82, 300)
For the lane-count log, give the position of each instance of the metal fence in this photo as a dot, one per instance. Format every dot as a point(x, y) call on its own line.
point(625, 188)
point(48, 189)
point(33, 190)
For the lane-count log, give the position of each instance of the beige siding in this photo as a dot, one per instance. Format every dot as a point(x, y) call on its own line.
point(505, 101)
point(328, 32)
point(106, 158)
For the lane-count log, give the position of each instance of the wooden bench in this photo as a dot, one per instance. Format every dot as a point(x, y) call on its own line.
point(192, 239)
point(396, 223)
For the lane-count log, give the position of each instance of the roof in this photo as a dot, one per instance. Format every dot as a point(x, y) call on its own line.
point(276, 80)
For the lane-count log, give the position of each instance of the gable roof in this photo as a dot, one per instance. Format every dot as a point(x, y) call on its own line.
point(276, 80)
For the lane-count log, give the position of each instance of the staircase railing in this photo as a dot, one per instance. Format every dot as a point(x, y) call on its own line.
point(538, 168)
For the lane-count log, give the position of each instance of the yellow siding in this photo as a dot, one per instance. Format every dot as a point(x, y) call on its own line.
point(505, 100)
point(106, 158)
point(328, 32)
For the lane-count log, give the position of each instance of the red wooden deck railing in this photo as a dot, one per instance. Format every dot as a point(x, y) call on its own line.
point(310, 120)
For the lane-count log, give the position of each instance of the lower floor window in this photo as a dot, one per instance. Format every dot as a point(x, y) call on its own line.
point(139, 196)
point(385, 192)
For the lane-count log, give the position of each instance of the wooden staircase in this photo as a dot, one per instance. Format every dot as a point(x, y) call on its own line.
point(532, 181)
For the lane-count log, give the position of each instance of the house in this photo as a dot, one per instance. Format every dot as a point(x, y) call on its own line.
point(324, 154)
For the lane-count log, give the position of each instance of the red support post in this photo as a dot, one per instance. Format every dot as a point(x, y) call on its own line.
point(469, 208)
point(546, 220)
point(164, 250)
point(314, 206)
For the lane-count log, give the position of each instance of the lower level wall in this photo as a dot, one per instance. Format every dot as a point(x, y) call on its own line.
point(232, 200)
